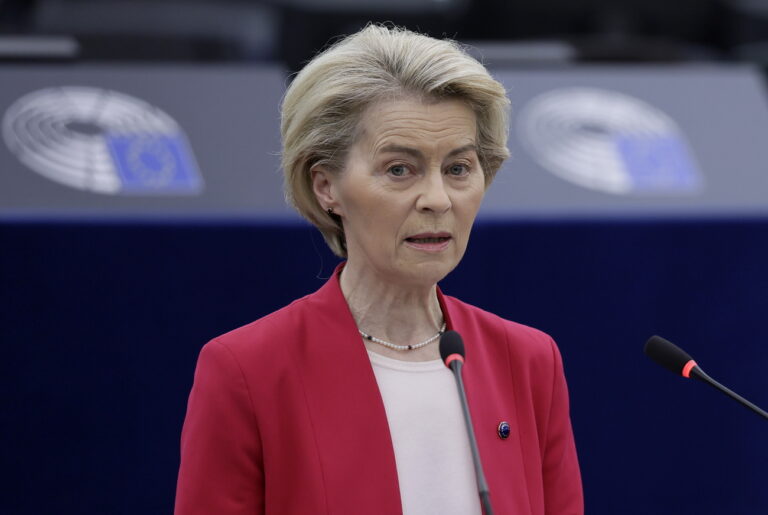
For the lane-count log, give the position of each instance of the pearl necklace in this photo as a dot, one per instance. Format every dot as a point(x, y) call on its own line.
point(403, 347)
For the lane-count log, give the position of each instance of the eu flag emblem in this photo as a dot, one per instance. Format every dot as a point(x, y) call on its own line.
point(154, 163)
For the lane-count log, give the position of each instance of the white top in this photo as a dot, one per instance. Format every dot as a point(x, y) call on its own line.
point(434, 461)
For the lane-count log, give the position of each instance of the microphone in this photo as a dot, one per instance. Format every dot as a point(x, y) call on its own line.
point(676, 360)
point(452, 354)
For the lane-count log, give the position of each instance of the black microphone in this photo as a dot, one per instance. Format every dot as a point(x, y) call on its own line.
point(452, 354)
point(676, 360)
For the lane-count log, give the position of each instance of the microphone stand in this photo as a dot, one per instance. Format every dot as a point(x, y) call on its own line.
point(482, 485)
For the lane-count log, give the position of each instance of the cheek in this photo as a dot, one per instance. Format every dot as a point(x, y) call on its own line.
point(373, 216)
point(357, 198)
point(470, 204)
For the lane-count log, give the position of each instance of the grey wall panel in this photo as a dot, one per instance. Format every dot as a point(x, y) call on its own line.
point(656, 126)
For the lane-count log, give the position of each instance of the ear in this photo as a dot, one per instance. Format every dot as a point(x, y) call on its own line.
point(323, 184)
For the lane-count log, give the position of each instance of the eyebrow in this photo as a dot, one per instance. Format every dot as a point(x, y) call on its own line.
point(417, 153)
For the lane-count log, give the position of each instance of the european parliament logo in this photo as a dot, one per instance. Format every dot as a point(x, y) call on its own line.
point(101, 141)
point(608, 141)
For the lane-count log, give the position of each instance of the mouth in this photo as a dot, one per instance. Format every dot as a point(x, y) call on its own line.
point(429, 237)
point(432, 242)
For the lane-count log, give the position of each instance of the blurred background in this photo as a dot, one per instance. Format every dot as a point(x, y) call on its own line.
point(290, 31)
point(141, 215)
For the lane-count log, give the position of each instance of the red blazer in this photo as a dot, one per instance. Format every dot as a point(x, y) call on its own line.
point(285, 417)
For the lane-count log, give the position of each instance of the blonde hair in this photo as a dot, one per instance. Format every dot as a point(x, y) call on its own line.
point(322, 107)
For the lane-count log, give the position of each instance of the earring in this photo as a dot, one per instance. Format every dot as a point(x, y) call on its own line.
point(330, 211)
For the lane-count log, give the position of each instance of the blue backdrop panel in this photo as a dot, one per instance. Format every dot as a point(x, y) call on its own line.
point(101, 325)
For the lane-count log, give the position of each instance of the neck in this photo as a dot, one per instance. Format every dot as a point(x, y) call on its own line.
point(400, 314)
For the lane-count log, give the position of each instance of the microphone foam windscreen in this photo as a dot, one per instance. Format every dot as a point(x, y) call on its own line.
point(451, 343)
point(666, 354)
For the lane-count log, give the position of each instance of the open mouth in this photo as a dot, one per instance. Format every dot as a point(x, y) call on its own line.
point(429, 241)
point(434, 239)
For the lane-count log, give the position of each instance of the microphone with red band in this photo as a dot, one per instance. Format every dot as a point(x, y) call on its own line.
point(453, 357)
point(676, 360)
point(452, 354)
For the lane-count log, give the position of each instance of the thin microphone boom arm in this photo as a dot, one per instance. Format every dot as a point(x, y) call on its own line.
point(699, 374)
point(482, 484)
point(452, 354)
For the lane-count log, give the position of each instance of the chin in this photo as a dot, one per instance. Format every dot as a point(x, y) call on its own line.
point(431, 272)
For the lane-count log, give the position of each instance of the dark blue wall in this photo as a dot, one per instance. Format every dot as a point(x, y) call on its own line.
point(100, 326)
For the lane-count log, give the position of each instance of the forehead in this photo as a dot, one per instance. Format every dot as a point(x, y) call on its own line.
point(412, 121)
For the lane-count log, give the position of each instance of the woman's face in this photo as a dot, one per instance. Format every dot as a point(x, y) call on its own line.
point(410, 189)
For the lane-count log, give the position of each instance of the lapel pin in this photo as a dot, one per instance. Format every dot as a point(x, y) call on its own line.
point(503, 430)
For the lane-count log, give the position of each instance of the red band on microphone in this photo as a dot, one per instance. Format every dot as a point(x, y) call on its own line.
point(451, 357)
point(687, 369)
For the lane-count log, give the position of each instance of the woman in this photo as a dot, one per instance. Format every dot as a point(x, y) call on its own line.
point(338, 403)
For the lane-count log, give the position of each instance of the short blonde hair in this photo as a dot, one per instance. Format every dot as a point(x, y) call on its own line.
point(323, 105)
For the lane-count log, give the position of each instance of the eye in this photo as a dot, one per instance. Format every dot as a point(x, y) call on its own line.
point(458, 169)
point(398, 170)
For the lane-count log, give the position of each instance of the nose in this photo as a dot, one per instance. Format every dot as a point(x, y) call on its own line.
point(433, 198)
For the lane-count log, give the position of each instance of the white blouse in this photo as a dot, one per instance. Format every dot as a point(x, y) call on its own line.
point(429, 436)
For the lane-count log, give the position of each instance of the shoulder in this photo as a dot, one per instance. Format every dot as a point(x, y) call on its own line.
point(268, 335)
point(249, 360)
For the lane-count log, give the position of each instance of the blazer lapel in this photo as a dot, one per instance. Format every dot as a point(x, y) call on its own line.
point(347, 413)
point(491, 398)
